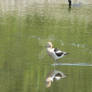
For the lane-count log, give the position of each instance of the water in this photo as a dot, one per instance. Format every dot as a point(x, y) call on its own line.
point(24, 33)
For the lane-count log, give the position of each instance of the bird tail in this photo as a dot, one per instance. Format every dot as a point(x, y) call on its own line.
point(66, 53)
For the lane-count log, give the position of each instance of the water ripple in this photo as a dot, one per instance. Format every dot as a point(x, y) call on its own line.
point(72, 64)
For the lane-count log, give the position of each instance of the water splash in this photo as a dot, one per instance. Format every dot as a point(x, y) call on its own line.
point(72, 64)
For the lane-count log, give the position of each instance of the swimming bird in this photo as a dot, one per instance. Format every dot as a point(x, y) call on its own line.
point(54, 52)
point(55, 75)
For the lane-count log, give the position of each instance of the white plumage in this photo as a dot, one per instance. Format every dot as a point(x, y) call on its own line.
point(54, 52)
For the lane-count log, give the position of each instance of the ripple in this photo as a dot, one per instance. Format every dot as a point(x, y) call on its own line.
point(72, 64)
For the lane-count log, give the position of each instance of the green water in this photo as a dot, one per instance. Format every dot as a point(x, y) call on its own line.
point(24, 33)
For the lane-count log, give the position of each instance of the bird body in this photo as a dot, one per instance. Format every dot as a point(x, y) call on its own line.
point(54, 52)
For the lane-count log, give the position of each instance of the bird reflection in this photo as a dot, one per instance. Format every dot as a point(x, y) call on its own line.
point(54, 76)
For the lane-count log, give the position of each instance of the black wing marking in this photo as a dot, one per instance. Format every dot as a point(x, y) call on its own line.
point(55, 49)
point(58, 52)
point(58, 74)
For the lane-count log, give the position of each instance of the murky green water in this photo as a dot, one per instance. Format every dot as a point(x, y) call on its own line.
point(24, 33)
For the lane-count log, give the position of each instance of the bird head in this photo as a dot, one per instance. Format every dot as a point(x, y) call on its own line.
point(49, 45)
point(48, 84)
point(48, 81)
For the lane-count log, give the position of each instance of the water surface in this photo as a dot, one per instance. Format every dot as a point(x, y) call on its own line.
point(24, 33)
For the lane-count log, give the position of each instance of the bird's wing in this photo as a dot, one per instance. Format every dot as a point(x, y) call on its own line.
point(58, 52)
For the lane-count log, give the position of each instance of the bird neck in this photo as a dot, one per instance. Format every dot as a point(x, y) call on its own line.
point(49, 47)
